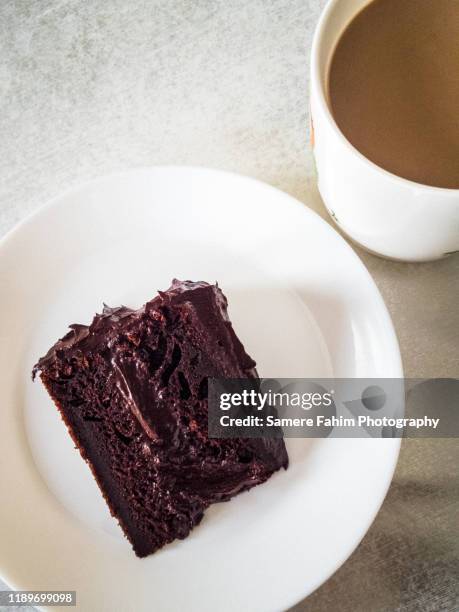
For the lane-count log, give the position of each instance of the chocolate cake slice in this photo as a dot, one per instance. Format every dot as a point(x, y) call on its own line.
point(132, 390)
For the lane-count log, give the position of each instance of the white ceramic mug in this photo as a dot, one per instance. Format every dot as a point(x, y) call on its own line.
point(386, 214)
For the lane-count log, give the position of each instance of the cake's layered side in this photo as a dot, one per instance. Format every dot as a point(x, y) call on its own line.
point(102, 441)
point(132, 389)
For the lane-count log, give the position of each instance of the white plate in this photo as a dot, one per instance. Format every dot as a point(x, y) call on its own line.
point(303, 304)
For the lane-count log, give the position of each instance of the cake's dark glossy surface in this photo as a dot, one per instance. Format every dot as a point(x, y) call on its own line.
point(132, 389)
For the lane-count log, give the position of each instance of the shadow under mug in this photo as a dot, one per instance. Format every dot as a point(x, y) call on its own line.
point(384, 213)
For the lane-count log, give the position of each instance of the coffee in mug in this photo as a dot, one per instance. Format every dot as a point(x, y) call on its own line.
point(393, 88)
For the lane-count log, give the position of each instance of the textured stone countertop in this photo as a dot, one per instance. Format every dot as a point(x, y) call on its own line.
point(88, 88)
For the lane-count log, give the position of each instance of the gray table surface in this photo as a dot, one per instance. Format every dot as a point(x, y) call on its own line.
point(88, 88)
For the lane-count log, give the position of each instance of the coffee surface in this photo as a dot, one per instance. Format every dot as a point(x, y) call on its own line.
point(394, 88)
